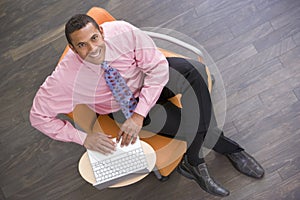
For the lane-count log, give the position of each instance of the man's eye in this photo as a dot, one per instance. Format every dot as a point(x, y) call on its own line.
point(81, 45)
point(95, 37)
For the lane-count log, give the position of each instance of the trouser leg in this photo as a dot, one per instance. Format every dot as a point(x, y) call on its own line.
point(216, 140)
point(192, 122)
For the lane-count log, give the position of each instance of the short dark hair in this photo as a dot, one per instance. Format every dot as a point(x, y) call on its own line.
point(78, 22)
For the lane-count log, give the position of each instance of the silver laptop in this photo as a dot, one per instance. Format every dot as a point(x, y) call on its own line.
point(124, 163)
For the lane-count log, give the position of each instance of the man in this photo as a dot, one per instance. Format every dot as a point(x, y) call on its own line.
point(153, 79)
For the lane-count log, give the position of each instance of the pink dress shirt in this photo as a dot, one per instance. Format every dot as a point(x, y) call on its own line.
point(76, 81)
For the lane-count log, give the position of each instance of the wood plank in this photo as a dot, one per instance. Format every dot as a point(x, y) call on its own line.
point(242, 109)
point(290, 168)
point(1, 195)
point(36, 44)
point(277, 35)
point(291, 60)
point(288, 190)
point(272, 149)
point(253, 76)
point(232, 74)
point(284, 19)
point(236, 57)
point(268, 141)
point(241, 41)
point(297, 92)
point(296, 38)
point(256, 88)
point(262, 4)
point(262, 15)
point(266, 122)
point(212, 11)
point(246, 187)
point(214, 36)
point(147, 19)
point(280, 96)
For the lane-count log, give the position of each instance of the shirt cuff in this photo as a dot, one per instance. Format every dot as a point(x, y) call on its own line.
point(142, 109)
point(79, 137)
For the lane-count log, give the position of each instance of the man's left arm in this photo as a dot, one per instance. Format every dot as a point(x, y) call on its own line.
point(156, 70)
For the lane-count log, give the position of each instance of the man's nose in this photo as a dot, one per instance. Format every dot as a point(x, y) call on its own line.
point(92, 47)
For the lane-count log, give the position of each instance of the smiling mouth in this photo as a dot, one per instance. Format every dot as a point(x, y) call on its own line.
point(95, 55)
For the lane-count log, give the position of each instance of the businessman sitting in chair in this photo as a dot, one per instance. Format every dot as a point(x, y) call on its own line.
point(151, 79)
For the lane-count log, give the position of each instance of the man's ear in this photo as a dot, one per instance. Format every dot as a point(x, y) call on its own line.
point(101, 31)
point(72, 47)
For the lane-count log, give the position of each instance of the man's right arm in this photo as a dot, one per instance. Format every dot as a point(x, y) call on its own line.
point(51, 100)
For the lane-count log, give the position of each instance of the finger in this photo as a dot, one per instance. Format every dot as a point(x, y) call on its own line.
point(109, 144)
point(134, 138)
point(128, 139)
point(123, 130)
point(111, 141)
point(124, 139)
point(106, 147)
point(107, 138)
point(106, 141)
point(104, 150)
point(124, 135)
point(101, 149)
point(120, 133)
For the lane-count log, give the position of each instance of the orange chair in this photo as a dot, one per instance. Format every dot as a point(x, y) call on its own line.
point(169, 152)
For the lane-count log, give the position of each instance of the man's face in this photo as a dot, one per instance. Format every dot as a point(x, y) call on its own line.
point(89, 44)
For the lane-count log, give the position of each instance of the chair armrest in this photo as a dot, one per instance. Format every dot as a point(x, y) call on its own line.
point(175, 41)
point(186, 46)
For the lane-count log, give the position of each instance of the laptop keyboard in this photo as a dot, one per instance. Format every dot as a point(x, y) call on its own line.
point(120, 165)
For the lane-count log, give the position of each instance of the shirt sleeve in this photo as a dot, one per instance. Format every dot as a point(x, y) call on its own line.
point(51, 100)
point(155, 67)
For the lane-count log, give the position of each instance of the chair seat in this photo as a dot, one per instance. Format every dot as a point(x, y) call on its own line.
point(168, 151)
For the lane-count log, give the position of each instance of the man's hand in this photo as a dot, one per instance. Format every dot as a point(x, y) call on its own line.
point(130, 129)
point(99, 142)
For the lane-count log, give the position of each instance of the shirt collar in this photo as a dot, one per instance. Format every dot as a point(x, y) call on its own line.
point(93, 67)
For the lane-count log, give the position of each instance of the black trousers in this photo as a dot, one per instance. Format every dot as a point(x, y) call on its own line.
point(195, 122)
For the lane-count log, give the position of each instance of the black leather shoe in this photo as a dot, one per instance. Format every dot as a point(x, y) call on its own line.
point(201, 176)
point(246, 164)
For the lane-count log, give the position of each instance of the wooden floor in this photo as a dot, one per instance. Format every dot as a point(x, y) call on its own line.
point(254, 44)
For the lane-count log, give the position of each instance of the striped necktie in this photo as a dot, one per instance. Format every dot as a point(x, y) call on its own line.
point(119, 89)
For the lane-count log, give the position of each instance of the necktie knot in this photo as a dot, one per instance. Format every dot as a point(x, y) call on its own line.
point(105, 65)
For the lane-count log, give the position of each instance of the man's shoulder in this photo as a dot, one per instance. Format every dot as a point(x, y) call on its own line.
point(117, 23)
point(117, 27)
point(69, 62)
point(65, 71)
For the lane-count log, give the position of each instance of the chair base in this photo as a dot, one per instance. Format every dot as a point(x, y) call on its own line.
point(159, 176)
point(164, 178)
